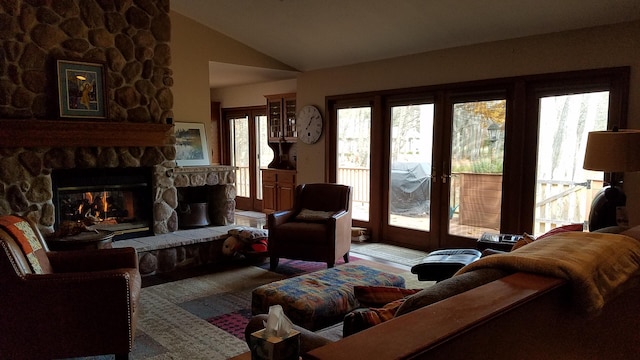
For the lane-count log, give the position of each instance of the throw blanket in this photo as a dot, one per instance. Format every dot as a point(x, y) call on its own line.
point(596, 264)
point(26, 238)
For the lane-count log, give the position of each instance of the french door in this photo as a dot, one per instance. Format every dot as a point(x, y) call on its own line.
point(444, 181)
point(472, 166)
point(246, 133)
point(437, 167)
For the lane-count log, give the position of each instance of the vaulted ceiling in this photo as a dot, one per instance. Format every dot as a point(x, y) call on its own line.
point(315, 34)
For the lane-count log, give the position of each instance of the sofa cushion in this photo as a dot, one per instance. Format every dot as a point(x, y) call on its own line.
point(376, 296)
point(633, 232)
point(450, 287)
point(612, 229)
point(314, 215)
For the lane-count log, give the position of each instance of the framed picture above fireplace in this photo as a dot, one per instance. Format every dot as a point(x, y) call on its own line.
point(191, 144)
point(81, 89)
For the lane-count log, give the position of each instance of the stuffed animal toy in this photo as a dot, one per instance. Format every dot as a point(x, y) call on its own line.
point(231, 246)
point(260, 246)
point(245, 241)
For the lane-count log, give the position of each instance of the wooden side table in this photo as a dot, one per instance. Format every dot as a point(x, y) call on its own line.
point(99, 239)
point(246, 356)
point(501, 242)
point(243, 356)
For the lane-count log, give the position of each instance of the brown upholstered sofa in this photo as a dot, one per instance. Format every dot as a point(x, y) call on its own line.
point(64, 304)
point(495, 311)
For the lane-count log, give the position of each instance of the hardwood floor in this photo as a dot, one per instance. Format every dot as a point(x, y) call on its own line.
point(258, 220)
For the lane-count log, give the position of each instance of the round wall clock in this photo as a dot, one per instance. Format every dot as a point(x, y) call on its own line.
point(309, 124)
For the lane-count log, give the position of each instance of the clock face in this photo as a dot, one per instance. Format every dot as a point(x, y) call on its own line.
point(309, 124)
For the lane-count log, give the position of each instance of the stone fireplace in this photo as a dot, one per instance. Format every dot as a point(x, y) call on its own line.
point(132, 39)
point(26, 184)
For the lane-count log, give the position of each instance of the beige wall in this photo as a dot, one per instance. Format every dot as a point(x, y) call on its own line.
point(251, 95)
point(575, 50)
point(192, 47)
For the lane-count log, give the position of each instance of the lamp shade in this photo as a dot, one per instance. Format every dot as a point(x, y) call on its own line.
point(613, 151)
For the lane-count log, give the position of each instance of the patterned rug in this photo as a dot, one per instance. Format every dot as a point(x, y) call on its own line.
point(204, 317)
point(397, 254)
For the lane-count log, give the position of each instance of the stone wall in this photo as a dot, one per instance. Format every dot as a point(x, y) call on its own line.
point(131, 37)
point(26, 188)
point(221, 198)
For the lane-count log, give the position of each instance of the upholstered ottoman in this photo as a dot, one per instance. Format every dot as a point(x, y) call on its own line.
point(442, 264)
point(322, 298)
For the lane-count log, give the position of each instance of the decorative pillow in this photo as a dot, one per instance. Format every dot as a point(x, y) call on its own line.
point(376, 296)
point(23, 233)
point(561, 229)
point(527, 239)
point(362, 319)
point(248, 234)
point(313, 215)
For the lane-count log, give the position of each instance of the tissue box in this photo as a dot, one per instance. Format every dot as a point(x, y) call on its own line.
point(273, 347)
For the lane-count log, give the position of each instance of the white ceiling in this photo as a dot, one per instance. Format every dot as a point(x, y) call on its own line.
point(315, 34)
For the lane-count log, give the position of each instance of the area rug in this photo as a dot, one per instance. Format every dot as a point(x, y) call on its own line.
point(397, 254)
point(204, 317)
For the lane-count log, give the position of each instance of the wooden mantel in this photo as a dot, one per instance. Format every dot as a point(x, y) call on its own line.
point(67, 133)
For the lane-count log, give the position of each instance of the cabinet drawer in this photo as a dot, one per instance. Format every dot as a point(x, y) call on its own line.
point(269, 176)
point(287, 178)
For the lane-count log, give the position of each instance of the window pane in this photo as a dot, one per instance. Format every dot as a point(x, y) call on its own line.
point(477, 153)
point(410, 157)
point(564, 190)
point(240, 154)
point(354, 156)
point(265, 153)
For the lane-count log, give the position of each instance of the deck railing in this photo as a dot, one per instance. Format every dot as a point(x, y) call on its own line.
point(243, 184)
point(564, 202)
point(358, 178)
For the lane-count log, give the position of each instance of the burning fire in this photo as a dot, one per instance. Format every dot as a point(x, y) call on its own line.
point(95, 207)
point(105, 206)
point(101, 206)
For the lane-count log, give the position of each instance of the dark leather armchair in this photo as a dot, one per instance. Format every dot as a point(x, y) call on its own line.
point(64, 304)
point(318, 228)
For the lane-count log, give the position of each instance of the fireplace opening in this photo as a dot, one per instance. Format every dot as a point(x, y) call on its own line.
point(112, 199)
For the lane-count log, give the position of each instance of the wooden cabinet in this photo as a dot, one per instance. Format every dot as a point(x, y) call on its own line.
point(278, 189)
point(281, 112)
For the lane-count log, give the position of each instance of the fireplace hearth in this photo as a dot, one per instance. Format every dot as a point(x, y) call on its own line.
point(113, 199)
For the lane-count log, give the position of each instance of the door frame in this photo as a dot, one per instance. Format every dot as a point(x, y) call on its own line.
point(251, 203)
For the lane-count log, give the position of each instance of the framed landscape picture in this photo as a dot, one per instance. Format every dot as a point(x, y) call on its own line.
point(191, 144)
point(81, 89)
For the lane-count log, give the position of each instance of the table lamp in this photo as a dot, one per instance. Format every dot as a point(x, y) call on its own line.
point(613, 151)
